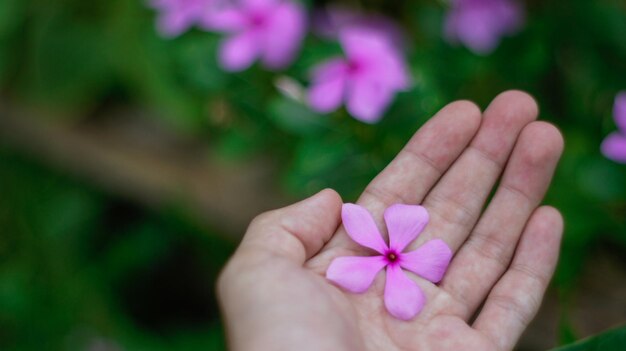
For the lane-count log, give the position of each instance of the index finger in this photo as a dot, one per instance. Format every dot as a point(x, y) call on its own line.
point(418, 166)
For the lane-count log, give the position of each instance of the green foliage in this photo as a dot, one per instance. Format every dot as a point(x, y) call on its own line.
point(77, 271)
point(610, 340)
point(11, 16)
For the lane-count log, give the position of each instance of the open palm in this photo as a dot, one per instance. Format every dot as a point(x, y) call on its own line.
point(274, 293)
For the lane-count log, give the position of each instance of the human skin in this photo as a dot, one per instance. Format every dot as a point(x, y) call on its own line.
point(273, 292)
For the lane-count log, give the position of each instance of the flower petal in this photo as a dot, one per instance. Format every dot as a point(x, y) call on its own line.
point(327, 21)
point(170, 25)
point(403, 298)
point(480, 25)
point(239, 51)
point(476, 30)
point(224, 20)
point(329, 82)
point(381, 59)
point(397, 75)
point(283, 35)
point(614, 147)
point(258, 5)
point(329, 69)
point(429, 261)
point(510, 16)
point(353, 273)
point(404, 224)
point(359, 42)
point(361, 228)
point(327, 96)
point(619, 111)
point(368, 100)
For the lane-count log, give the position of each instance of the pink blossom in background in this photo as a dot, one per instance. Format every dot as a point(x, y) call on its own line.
point(328, 23)
point(614, 146)
point(403, 298)
point(480, 24)
point(177, 16)
point(268, 30)
point(367, 78)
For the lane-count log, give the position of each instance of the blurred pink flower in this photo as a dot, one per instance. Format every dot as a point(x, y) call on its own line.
point(177, 16)
point(372, 72)
point(614, 145)
point(480, 24)
point(269, 30)
point(403, 298)
point(328, 23)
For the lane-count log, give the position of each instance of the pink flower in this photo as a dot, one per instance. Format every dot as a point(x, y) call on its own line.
point(328, 23)
point(269, 30)
point(480, 24)
point(403, 298)
point(367, 78)
point(177, 16)
point(614, 146)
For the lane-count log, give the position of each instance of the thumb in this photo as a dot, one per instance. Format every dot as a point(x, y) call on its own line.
point(296, 232)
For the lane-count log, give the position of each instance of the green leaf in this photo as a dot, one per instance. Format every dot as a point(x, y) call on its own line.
point(4, 59)
point(601, 179)
point(236, 144)
point(68, 68)
point(329, 162)
point(196, 63)
point(11, 14)
point(146, 66)
point(611, 340)
point(11, 17)
point(296, 118)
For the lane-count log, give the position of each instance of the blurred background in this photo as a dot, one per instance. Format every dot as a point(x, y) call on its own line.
point(130, 164)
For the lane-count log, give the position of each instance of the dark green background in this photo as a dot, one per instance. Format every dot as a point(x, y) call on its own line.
point(79, 266)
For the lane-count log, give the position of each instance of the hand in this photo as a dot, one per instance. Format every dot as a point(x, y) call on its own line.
point(273, 291)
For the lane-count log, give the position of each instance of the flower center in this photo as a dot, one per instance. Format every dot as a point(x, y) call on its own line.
point(354, 67)
point(392, 256)
point(257, 20)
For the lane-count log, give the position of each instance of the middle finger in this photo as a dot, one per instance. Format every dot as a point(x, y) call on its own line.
point(456, 201)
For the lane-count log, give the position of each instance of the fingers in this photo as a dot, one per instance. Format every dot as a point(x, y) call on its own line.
point(488, 251)
point(296, 232)
point(425, 158)
point(456, 202)
point(428, 154)
point(515, 299)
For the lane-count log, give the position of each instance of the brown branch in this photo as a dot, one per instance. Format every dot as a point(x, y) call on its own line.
point(125, 154)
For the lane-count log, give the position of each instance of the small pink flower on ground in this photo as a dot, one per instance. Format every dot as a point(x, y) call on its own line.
point(177, 16)
point(269, 30)
point(403, 298)
point(480, 24)
point(614, 146)
point(372, 72)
